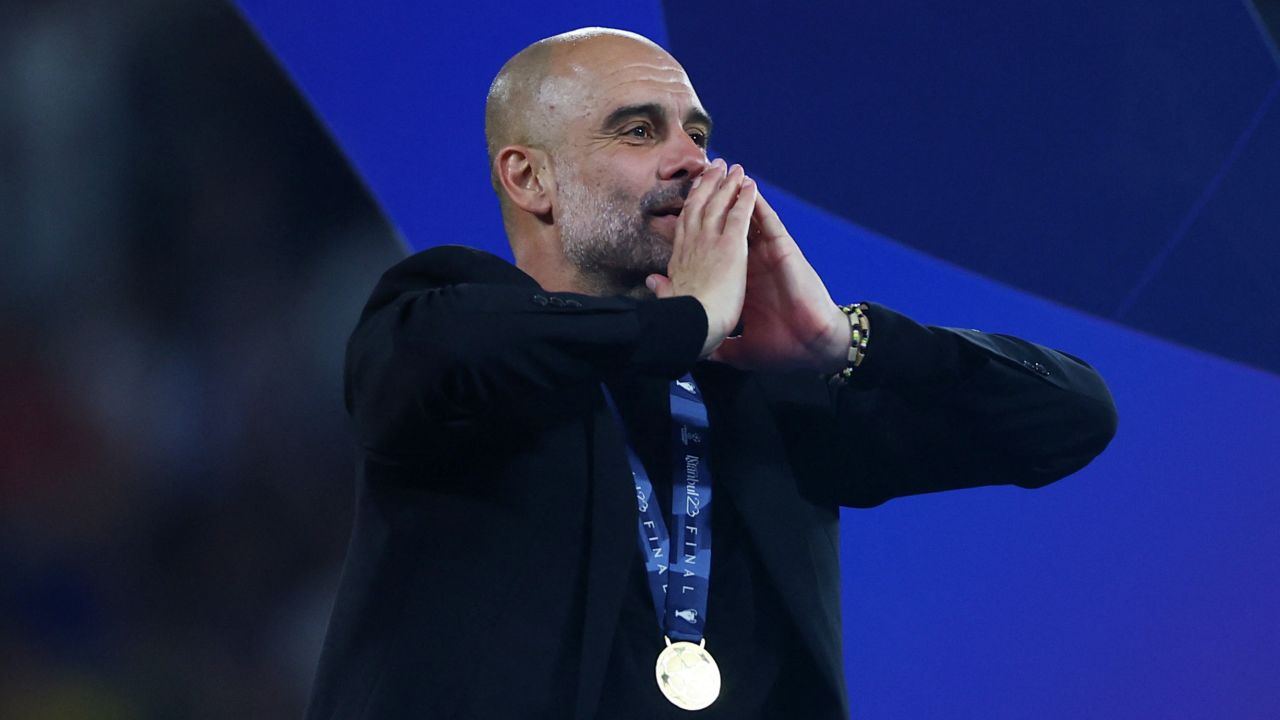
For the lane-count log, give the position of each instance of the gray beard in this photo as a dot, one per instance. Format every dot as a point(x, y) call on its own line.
point(609, 239)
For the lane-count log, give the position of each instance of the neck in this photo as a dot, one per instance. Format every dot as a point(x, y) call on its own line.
point(546, 263)
point(543, 259)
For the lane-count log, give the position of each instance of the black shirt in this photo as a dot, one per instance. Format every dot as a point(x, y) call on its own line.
point(764, 667)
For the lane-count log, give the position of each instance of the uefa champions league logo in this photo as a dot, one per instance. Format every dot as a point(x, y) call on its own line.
point(688, 615)
point(689, 436)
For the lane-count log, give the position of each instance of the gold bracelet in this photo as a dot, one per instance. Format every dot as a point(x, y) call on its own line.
point(859, 336)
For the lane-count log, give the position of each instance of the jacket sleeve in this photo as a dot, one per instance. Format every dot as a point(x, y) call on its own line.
point(435, 362)
point(934, 409)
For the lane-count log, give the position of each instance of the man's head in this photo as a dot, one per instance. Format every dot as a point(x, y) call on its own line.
point(594, 139)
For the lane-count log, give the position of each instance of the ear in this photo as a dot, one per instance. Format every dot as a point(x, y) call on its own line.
point(525, 175)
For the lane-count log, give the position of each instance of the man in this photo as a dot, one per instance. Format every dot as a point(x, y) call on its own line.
point(524, 448)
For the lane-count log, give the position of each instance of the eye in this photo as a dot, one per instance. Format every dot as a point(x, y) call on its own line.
point(641, 132)
point(699, 138)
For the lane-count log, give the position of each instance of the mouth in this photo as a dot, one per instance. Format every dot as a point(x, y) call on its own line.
point(668, 211)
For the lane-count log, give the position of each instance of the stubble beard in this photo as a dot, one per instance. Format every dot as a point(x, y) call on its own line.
point(608, 235)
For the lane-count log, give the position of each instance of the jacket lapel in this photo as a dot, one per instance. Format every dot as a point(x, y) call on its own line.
point(790, 534)
point(610, 552)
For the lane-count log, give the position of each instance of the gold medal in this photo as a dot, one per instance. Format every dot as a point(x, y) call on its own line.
point(687, 675)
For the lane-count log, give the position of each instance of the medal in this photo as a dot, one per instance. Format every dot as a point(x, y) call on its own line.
point(687, 675)
point(678, 557)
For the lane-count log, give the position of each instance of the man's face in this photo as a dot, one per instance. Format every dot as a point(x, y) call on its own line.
point(627, 162)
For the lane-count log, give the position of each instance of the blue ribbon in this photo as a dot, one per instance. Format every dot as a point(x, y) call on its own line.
point(678, 562)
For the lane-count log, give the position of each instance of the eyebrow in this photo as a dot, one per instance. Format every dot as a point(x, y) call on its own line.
point(658, 114)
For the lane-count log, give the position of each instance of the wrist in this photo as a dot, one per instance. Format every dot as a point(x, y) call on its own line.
point(857, 336)
point(834, 347)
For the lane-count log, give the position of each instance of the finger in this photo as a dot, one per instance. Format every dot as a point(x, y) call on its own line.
point(712, 182)
point(703, 187)
point(718, 205)
point(738, 219)
point(660, 285)
point(766, 219)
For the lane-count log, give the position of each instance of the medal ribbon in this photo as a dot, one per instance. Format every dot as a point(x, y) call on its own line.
point(678, 562)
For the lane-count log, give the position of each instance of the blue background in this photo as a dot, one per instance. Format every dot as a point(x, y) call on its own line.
point(1099, 177)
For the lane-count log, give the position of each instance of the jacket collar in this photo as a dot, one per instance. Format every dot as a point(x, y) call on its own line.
point(443, 265)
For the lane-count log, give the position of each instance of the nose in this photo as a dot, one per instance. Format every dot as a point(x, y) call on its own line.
point(682, 159)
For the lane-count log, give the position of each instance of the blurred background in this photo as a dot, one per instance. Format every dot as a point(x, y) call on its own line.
point(184, 252)
point(186, 238)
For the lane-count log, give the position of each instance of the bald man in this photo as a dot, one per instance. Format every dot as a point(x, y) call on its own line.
point(542, 442)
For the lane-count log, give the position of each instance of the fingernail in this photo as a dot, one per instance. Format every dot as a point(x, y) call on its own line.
point(649, 282)
point(695, 182)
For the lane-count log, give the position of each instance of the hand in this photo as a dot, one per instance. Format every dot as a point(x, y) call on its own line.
point(789, 320)
point(709, 252)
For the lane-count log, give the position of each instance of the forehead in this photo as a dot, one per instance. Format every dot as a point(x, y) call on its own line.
point(613, 74)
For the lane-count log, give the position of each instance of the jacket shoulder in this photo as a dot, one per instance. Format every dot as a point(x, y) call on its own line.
point(440, 266)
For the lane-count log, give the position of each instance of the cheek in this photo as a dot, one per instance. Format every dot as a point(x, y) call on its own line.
point(631, 167)
point(622, 176)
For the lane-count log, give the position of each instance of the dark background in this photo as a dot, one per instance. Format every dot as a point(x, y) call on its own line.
point(1121, 157)
point(184, 252)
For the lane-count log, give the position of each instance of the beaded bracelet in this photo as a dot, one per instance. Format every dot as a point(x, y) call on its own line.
point(859, 336)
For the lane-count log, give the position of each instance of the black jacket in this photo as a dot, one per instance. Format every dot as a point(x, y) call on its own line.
point(495, 519)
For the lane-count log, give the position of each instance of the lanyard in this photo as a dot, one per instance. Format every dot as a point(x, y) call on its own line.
point(678, 561)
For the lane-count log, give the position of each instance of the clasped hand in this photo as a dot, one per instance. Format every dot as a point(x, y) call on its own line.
point(735, 256)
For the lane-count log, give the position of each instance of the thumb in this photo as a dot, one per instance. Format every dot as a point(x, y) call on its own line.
point(660, 285)
point(729, 352)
